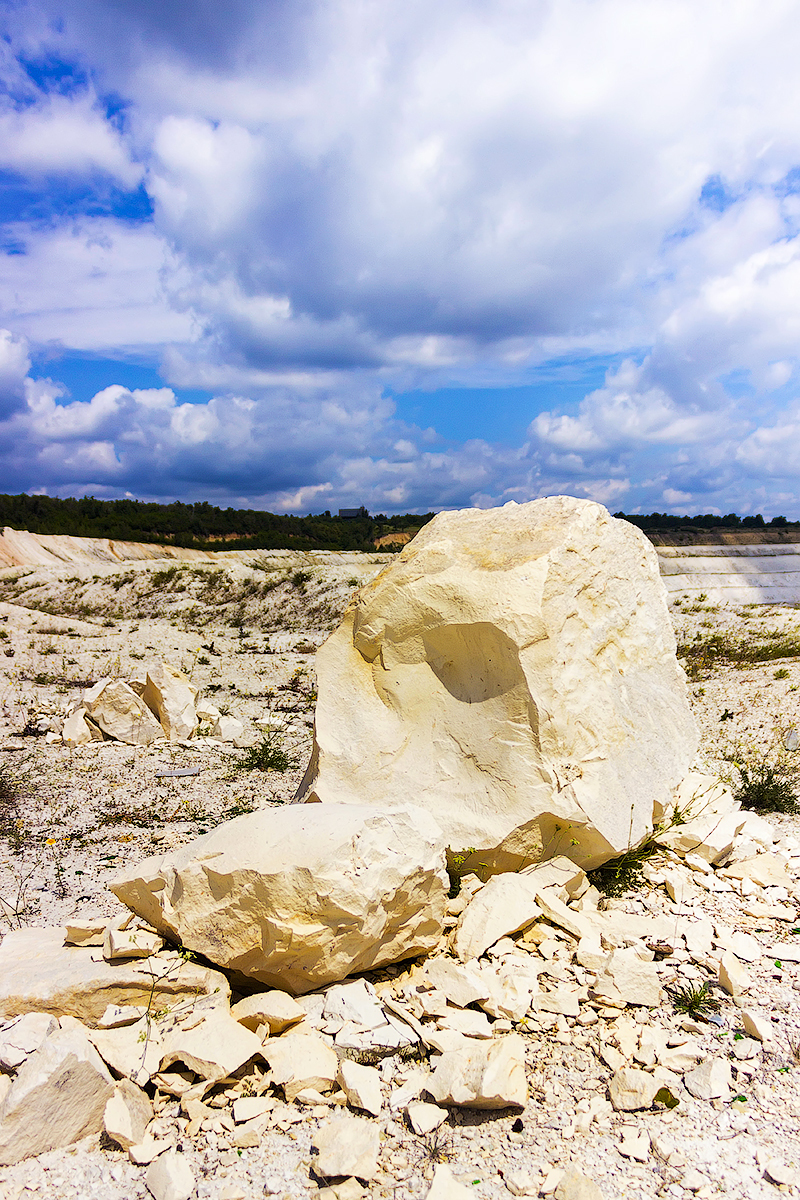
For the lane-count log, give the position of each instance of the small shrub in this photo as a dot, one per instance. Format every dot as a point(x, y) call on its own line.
point(765, 786)
point(623, 873)
point(268, 755)
point(694, 1000)
point(781, 673)
point(300, 579)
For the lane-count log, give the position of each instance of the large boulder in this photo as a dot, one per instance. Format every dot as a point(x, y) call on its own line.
point(513, 671)
point(300, 896)
point(116, 709)
point(170, 695)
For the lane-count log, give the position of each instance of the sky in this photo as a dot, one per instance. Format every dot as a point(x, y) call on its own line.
point(303, 254)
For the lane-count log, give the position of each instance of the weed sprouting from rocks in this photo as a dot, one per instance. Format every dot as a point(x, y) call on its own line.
point(764, 783)
point(694, 1000)
point(623, 873)
point(268, 755)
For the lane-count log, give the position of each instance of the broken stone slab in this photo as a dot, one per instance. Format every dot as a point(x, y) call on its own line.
point(170, 1177)
point(424, 1118)
point(38, 973)
point(631, 1089)
point(121, 714)
point(361, 1085)
point(301, 896)
point(574, 739)
point(21, 1036)
point(247, 1108)
point(346, 1146)
point(629, 978)
point(467, 1022)
point(212, 1048)
point(756, 1026)
point(387, 1038)
point(710, 1081)
point(734, 977)
point(575, 1186)
point(483, 1075)
point(130, 943)
point(521, 1183)
point(75, 730)
point(743, 945)
point(348, 1189)
point(301, 1060)
point(58, 1096)
point(355, 1002)
point(169, 694)
point(556, 911)
point(463, 984)
point(445, 1186)
point(131, 1051)
point(277, 1010)
point(127, 1114)
point(505, 905)
point(85, 933)
point(765, 870)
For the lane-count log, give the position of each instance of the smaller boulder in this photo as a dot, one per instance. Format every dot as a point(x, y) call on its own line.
point(127, 1114)
point(631, 1089)
point(485, 1075)
point(121, 714)
point(169, 1177)
point(347, 1146)
point(169, 694)
point(300, 1061)
point(361, 1085)
point(58, 1097)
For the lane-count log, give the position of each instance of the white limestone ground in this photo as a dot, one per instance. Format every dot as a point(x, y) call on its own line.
point(103, 804)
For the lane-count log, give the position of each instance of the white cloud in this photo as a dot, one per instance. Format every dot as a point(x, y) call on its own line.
point(64, 135)
point(348, 197)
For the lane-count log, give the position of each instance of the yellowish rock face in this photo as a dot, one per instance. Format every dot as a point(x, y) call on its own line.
point(514, 672)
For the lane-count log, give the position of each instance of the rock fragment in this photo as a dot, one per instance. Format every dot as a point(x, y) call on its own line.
point(484, 1075)
point(171, 697)
point(20, 1036)
point(631, 1089)
point(275, 1009)
point(38, 973)
point(300, 1061)
point(575, 1186)
point(265, 894)
point(58, 1097)
point(347, 1146)
point(710, 1081)
point(361, 1085)
point(170, 1177)
point(445, 1186)
point(116, 709)
point(127, 1114)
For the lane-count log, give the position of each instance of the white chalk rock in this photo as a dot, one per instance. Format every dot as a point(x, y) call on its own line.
point(513, 671)
point(57, 1098)
point(361, 1085)
point(347, 1146)
point(300, 1061)
point(711, 1080)
point(228, 729)
point(21, 1036)
point(301, 896)
point(631, 1089)
point(38, 973)
point(482, 1074)
point(121, 714)
point(127, 1114)
point(277, 1010)
point(170, 1177)
point(170, 696)
point(445, 1186)
point(75, 731)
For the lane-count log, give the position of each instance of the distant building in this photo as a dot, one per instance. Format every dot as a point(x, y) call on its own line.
point(352, 514)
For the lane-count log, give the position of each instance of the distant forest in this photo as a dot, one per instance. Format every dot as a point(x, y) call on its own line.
point(204, 527)
point(666, 522)
point(200, 526)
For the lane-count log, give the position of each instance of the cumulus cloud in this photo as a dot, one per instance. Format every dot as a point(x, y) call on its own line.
point(350, 197)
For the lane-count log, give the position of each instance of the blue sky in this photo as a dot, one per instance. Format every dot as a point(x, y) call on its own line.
point(325, 253)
